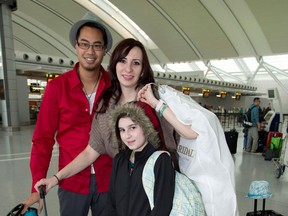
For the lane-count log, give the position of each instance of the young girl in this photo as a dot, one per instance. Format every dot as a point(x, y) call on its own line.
point(137, 139)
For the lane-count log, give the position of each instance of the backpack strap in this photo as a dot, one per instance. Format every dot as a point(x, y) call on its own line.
point(148, 176)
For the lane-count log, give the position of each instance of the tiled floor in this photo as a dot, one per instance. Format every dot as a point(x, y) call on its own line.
point(15, 175)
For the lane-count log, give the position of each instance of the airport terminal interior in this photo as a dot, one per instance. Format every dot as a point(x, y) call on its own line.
point(15, 175)
point(222, 53)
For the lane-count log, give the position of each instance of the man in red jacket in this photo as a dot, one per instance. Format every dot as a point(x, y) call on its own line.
point(65, 116)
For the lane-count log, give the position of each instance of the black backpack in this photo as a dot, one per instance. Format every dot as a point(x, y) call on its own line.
point(246, 118)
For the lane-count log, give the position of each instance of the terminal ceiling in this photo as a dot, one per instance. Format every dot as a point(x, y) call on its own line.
point(229, 40)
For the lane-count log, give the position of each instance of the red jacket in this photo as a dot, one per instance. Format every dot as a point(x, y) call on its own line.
point(64, 117)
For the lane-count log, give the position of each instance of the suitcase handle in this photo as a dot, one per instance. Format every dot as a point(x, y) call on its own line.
point(255, 206)
point(42, 191)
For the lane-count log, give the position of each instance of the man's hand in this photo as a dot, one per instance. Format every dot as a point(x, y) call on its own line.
point(32, 199)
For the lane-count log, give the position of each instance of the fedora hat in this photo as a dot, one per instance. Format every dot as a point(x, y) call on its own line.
point(259, 190)
point(89, 17)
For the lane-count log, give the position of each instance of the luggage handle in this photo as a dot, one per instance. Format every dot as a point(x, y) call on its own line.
point(42, 191)
point(255, 206)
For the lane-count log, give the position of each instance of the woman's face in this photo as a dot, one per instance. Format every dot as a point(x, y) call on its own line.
point(129, 69)
point(131, 134)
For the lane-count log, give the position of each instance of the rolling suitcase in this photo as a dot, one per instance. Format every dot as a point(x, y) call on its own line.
point(262, 212)
point(262, 141)
point(231, 139)
point(16, 211)
point(270, 135)
point(273, 149)
point(31, 211)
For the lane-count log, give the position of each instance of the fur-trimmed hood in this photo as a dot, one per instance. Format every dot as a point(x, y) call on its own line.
point(140, 113)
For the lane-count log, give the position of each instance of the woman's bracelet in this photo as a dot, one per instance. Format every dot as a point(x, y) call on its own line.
point(163, 109)
point(57, 179)
point(159, 105)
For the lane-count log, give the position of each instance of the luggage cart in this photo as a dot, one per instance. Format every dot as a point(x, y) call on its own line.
point(282, 161)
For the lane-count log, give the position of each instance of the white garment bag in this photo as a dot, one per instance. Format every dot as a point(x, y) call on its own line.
point(206, 159)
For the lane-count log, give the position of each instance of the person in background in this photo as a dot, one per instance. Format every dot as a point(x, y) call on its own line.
point(137, 139)
point(240, 115)
point(253, 136)
point(268, 108)
point(245, 140)
point(66, 114)
point(129, 70)
point(241, 111)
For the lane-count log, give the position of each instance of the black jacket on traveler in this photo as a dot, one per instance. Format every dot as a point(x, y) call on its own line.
point(126, 193)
